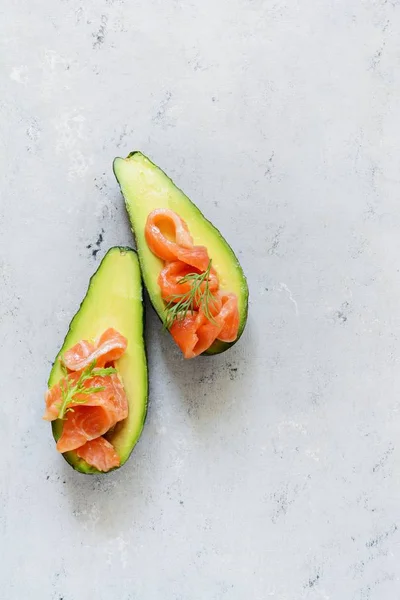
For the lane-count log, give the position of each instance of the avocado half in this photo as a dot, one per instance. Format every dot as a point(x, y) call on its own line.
point(146, 187)
point(113, 299)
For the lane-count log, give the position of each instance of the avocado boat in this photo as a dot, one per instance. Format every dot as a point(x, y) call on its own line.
point(113, 299)
point(146, 187)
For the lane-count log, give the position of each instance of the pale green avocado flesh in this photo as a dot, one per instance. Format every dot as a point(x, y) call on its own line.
point(146, 187)
point(113, 299)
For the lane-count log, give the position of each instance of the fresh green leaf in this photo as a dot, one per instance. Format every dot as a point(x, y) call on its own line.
point(104, 372)
point(93, 390)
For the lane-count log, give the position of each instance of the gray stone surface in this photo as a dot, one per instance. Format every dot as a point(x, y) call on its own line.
point(269, 472)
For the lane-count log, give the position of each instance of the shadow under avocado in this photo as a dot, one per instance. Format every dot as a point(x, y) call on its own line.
point(209, 385)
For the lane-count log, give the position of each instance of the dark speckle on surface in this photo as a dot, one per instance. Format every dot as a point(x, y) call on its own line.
point(268, 170)
point(161, 112)
point(207, 377)
point(379, 539)
point(275, 241)
point(122, 135)
point(97, 244)
point(100, 238)
point(233, 371)
point(313, 581)
point(343, 312)
point(384, 459)
point(100, 34)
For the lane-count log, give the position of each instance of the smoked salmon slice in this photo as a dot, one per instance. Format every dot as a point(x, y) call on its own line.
point(100, 454)
point(53, 397)
point(196, 333)
point(182, 247)
point(112, 396)
point(110, 346)
point(172, 286)
point(84, 423)
point(229, 314)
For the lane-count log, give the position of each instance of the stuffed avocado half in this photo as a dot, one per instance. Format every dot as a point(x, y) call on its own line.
point(145, 188)
point(113, 300)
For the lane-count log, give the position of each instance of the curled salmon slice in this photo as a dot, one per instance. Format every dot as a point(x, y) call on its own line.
point(182, 247)
point(82, 424)
point(109, 347)
point(99, 453)
point(53, 397)
point(229, 314)
point(82, 351)
point(167, 219)
point(184, 332)
point(171, 285)
point(197, 257)
point(195, 333)
point(112, 397)
point(207, 333)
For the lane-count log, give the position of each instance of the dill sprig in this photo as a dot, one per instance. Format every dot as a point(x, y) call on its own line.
point(179, 305)
point(69, 390)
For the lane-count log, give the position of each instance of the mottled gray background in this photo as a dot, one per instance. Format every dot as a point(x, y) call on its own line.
point(269, 472)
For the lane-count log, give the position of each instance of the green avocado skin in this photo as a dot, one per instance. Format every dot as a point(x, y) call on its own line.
point(113, 299)
point(145, 187)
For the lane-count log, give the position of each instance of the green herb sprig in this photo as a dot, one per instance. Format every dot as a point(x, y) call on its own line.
point(69, 390)
point(179, 305)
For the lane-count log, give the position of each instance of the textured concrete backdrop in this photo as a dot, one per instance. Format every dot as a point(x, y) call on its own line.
point(269, 472)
